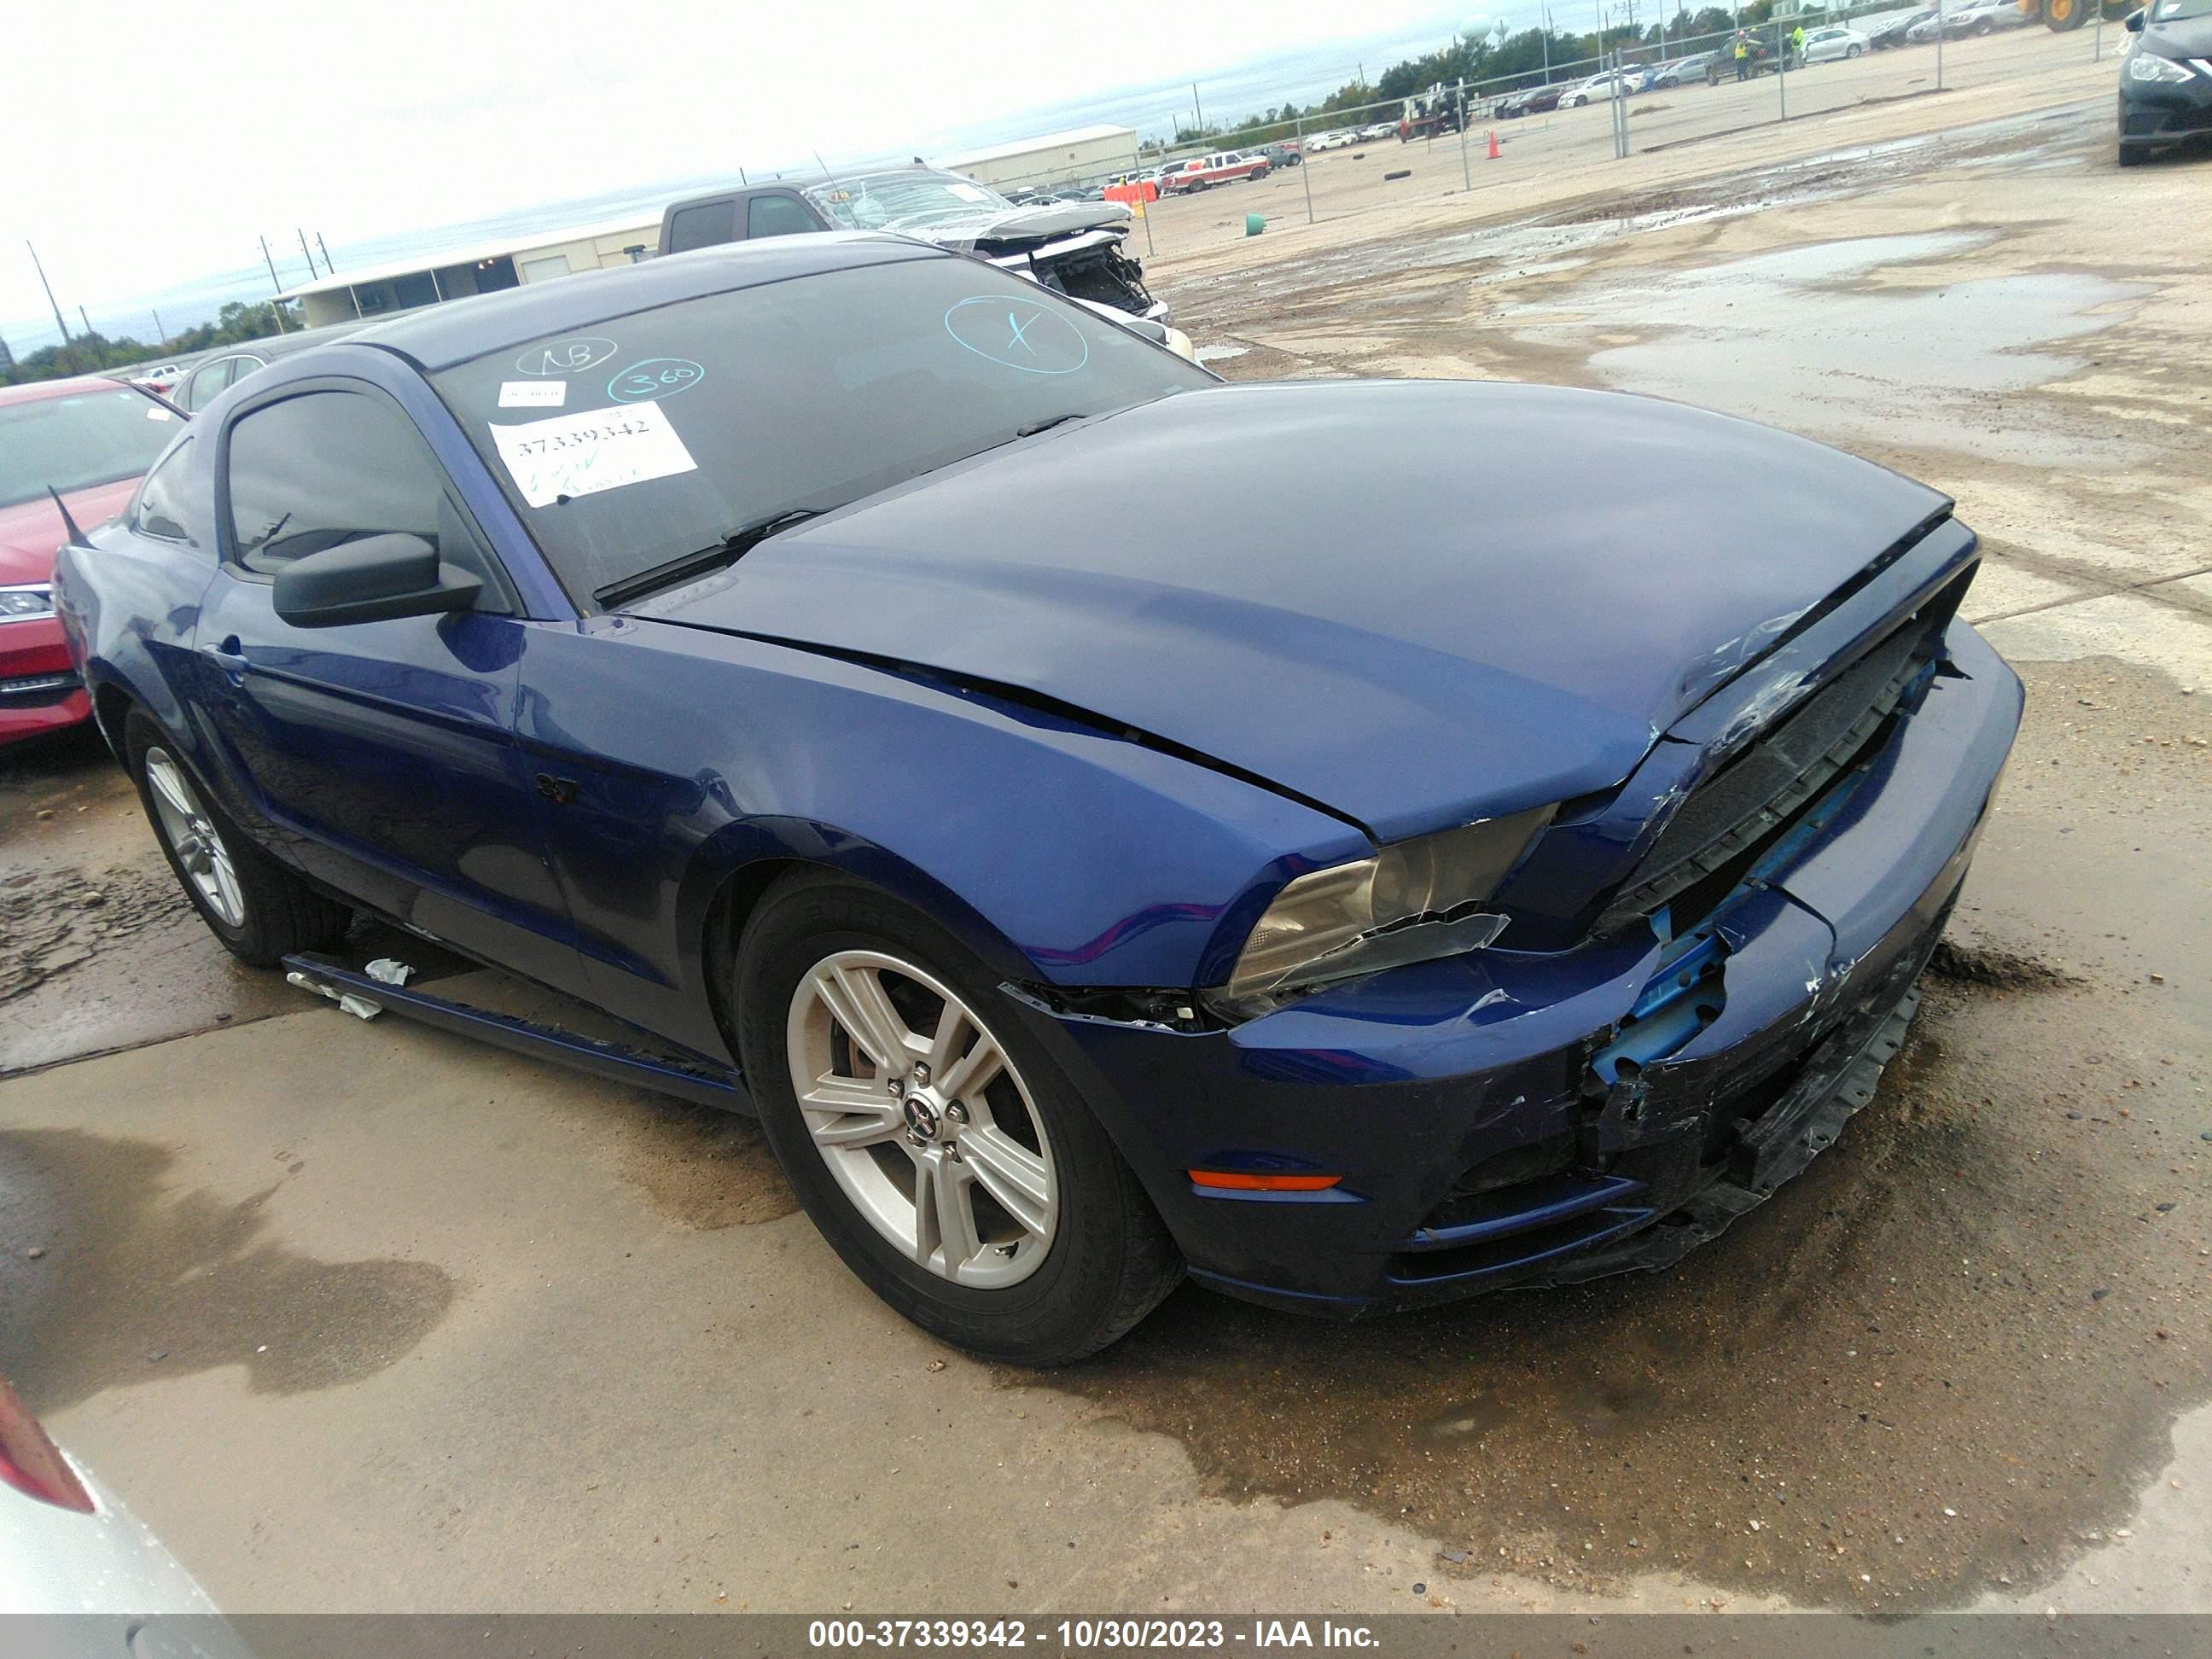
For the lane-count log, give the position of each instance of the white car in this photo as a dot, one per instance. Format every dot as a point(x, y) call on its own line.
point(1826, 45)
point(1594, 90)
point(1334, 140)
point(70, 1551)
point(1379, 130)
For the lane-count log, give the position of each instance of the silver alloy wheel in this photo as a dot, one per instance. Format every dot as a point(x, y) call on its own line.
point(193, 838)
point(923, 1119)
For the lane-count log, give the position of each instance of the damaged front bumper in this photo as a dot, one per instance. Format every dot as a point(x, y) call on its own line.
point(1491, 1125)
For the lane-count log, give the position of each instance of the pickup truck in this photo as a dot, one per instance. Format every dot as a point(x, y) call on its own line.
point(1075, 248)
point(1224, 166)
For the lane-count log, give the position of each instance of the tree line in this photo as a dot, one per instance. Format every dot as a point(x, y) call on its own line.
point(95, 354)
point(1522, 58)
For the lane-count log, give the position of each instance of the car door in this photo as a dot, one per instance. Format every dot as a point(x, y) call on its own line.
point(380, 756)
point(742, 216)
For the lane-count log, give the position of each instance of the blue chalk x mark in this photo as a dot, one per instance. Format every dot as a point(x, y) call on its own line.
point(654, 378)
point(1033, 338)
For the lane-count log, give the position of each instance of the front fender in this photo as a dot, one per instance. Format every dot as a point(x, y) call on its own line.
point(1060, 853)
point(127, 611)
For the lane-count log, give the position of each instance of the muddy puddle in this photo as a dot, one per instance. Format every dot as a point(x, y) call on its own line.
point(1803, 338)
point(111, 1276)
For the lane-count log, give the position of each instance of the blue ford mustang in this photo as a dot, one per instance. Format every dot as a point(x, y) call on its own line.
point(1335, 838)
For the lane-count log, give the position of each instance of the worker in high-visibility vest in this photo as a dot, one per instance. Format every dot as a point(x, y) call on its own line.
point(1742, 57)
point(1797, 47)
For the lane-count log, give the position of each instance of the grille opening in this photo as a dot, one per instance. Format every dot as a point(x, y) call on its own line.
point(1532, 1162)
point(1490, 1256)
point(1716, 835)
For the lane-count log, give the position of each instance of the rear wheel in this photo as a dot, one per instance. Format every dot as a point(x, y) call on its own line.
point(937, 1145)
point(260, 910)
point(1854, 51)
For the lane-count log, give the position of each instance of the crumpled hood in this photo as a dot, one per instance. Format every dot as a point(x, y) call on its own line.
point(2184, 36)
point(1040, 224)
point(1414, 602)
point(31, 532)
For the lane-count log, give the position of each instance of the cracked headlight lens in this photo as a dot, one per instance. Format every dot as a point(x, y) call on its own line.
point(2149, 66)
point(22, 603)
point(1413, 902)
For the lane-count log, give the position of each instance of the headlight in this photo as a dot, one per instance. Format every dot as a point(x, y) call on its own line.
point(2149, 66)
point(1411, 903)
point(22, 602)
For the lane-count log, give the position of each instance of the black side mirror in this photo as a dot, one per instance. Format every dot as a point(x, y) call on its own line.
point(2134, 22)
point(370, 580)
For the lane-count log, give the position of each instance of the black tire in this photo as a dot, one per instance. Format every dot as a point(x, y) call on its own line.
point(1854, 51)
point(1986, 27)
point(1109, 1262)
point(282, 913)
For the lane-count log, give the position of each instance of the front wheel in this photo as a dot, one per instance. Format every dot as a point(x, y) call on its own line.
point(1854, 51)
point(940, 1150)
point(257, 908)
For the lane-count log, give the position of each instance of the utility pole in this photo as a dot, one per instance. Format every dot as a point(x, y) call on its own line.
point(161, 333)
point(302, 235)
point(333, 270)
point(275, 307)
point(88, 329)
point(48, 287)
point(1198, 108)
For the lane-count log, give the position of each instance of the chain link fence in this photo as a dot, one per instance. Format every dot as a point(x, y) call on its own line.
point(1647, 97)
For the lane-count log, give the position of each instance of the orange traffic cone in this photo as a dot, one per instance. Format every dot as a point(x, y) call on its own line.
point(1493, 145)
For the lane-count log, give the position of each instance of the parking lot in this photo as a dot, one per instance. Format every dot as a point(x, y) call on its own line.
point(360, 1316)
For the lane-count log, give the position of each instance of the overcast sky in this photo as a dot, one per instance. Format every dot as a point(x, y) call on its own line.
point(143, 145)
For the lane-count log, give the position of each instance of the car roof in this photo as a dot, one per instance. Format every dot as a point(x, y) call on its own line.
point(437, 336)
point(32, 392)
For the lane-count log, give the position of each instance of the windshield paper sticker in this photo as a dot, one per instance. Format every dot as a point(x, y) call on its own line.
point(532, 394)
point(597, 449)
point(968, 193)
point(1017, 333)
point(656, 377)
point(566, 356)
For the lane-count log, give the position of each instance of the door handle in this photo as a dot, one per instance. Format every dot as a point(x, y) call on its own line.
point(230, 657)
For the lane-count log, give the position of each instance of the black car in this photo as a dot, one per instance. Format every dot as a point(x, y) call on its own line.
point(225, 367)
point(1891, 32)
point(1076, 248)
point(2166, 79)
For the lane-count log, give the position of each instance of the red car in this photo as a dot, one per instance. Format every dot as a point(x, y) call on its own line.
point(91, 439)
point(1222, 167)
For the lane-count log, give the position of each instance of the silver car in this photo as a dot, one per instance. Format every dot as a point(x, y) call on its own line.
point(68, 1546)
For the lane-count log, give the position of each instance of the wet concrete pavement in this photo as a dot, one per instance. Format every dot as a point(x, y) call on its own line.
point(439, 1327)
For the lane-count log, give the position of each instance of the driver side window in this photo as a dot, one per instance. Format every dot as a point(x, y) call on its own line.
point(326, 468)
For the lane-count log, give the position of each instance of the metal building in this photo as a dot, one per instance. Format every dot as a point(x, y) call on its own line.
point(1081, 156)
point(485, 268)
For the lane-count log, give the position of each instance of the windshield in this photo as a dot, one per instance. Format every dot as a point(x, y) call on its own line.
point(642, 439)
point(79, 440)
point(911, 196)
